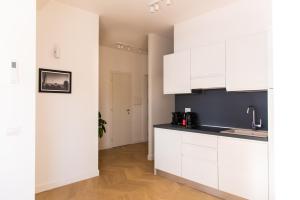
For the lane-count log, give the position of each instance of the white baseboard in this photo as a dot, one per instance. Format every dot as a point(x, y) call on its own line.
point(110, 146)
point(55, 184)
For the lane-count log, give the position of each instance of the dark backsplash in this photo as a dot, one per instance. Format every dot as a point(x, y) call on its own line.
point(222, 108)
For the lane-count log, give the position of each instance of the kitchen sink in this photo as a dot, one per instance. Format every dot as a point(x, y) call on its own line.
point(247, 132)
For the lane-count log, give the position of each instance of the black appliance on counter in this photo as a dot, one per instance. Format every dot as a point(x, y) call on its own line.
point(188, 120)
point(191, 119)
point(177, 118)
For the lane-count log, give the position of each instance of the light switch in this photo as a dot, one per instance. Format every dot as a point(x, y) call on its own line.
point(14, 65)
point(14, 76)
point(13, 131)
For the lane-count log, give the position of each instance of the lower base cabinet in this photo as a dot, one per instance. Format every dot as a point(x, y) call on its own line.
point(243, 167)
point(167, 151)
point(201, 171)
point(200, 158)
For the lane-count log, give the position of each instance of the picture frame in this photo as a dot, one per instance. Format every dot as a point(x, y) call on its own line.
point(55, 81)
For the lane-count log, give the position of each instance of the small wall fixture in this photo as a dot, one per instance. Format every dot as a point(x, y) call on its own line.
point(154, 5)
point(56, 52)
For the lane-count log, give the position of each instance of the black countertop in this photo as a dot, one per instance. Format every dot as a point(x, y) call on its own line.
point(209, 132)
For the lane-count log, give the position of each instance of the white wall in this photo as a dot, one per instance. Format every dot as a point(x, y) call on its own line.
point(160, 106)
point(239, 18)
point(67, 139)
point(285, 143)
point(17, 101)
point(114, 60)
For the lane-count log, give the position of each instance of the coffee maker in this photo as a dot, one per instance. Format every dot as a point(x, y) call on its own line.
point(191, 120)
point(177, 118)
point(187, 120)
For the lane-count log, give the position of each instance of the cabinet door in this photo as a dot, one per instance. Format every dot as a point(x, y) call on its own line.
point(167, 147)
point(199, 158)
point(208, 66)
point(247, 62)
point(243, 167)
point(199, 164)
point(177, 73)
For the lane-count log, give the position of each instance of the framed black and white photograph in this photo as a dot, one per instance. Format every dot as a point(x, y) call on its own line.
point(55, 81)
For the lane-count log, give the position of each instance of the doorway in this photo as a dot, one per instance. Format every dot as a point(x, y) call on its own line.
point(122, 109)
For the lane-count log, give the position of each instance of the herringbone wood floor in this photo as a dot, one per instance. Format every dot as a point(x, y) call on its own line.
point(125, 174)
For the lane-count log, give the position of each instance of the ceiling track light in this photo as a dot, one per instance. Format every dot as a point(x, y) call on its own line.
point(154, 5)
point(128, 47)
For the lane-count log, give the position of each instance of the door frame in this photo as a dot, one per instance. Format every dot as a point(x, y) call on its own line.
point(146, 107)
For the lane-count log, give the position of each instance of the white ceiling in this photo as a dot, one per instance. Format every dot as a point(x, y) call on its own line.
point(129, 21)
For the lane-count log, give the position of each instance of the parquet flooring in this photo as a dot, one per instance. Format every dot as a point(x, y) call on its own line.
point(125, 174)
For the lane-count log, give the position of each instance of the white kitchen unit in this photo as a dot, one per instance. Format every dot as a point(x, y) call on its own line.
point(227, 164)
point(200, 158)
point(247, 62)
point(167, 147)
point(243, 167)
point(177, 73)
point(208, 66)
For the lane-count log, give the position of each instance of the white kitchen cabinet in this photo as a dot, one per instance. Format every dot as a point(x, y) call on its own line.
point(243, 167)
point(208, 66)
point(200, 158)
point(167, 147)
point(247, 62)
point(177, 73)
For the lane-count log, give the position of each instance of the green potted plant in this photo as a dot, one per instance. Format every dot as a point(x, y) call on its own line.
point(101, 126)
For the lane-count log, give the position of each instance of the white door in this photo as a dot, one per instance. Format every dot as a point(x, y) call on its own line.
point(243, 167)
point(247, 62)
point(167, 150)
point(208, 66)
point(121, 109)
point(177, 73)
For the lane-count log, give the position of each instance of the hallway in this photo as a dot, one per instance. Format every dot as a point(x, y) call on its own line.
point(125, 174)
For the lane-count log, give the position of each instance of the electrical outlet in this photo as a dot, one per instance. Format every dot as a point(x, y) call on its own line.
point(187, 110)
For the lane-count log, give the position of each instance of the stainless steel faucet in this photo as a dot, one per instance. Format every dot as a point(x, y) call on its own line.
point(254, 125)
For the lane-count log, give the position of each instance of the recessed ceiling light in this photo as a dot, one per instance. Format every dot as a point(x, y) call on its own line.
point(156, 7)
point(168, 2)
point(152, 10)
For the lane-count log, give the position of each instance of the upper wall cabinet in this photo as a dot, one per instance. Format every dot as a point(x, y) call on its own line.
point(177, 73)
point(247, 62)
point(208, 66)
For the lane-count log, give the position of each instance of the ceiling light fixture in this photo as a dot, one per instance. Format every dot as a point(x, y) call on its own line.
point(152, 9)
point(154, 5)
